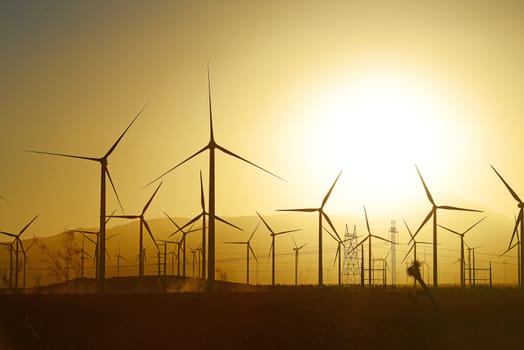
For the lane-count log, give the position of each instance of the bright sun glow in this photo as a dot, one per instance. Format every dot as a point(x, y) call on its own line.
point(377, 125)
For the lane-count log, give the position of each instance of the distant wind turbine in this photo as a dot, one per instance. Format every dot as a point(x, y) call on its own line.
point(104, 171)
point(273, 248)
point(321, 214)
point(462, 261)
point(368, 238)
point(433, 213)
point(26, 258)
point(182, 241)
point(18, 244)
point(413, 247)
point(212, 146)
point(143, 223)
point(297, 251)
point(520, 221)
point(248, 250)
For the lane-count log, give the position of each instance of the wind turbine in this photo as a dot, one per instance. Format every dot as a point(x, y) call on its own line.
point(338, 254)
point(433, 213)
point(18, 243)
point(321, 214)
point(202, 216)
point(86, 232)
point(272, 248)
point(368, 238)
point(248, 250)
point(103, 172)
point(143, 223)
point(182, 241)
point(297, 250)
point(520, 221)
point(462, 261)
point(212, 146)
point(118, 257)
point(166, 242)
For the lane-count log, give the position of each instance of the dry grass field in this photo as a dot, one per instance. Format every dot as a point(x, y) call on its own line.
point(282, 318)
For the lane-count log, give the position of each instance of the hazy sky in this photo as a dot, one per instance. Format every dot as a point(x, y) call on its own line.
point(304, 89)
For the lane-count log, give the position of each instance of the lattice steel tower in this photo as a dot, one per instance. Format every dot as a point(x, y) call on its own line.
point(351, 270)
point(393, 238)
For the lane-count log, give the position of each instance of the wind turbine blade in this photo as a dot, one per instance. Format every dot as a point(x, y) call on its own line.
point(8, 234)
point(255, 230)
point(449, 207)
point(516, 228)
point(227, 223)
point(125, 131)
point(450, 230)
point(302, 246)
point(475, 224)
point(430, 198)
point(211, 132)
point(336, 255)
point(513, 193)
point(294, 242)
point(385, 240)
point(26, 226)
point(367, 221)
point(235, 243)
point(331, 225)
point(288, 231)
point(426, 219)
point(65, 155)
point(509, 249)
point(202, 198)
point(407, 254)
point(226, 151)
point(21, 245)
point(265, 223)
point(109, 217)
point(151, 199)
point(409, 231)
point(329, 233)
point(253, 253)
point(358, 245)
point(326, 197)
point(114, 189)
point(150, 233)
point(179, 164)
point(125, 217)
point(270, 249)
point(306, 210)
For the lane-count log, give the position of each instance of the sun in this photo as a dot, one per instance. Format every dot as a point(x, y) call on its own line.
point(377, 124)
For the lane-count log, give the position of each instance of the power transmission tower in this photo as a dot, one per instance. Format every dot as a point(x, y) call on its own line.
point(351, 270)
point(393, 238)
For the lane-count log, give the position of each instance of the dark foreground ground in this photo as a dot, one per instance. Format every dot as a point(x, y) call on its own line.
point(306, 318)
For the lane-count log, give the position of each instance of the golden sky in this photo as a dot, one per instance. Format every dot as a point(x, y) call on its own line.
point(304, 89)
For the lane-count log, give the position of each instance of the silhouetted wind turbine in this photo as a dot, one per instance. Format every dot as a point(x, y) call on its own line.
point(368, 238)
point(297, 251)
point(118, 257)
point(433, 212)
point(520, 221)
point(103, 172)
point(212, 146)
point(413, 247)
point(182, 241)
point(248, 250)
point(143, 223)
point(18, 243)
point(273, 248)
point(321, 214)
point(26, 258)
point(461, 235)
point(202, 216)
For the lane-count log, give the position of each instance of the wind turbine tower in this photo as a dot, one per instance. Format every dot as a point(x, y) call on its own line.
point(393, 238)
point(351, 270)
